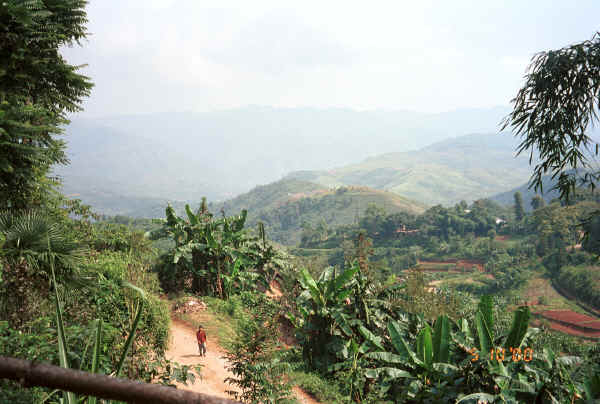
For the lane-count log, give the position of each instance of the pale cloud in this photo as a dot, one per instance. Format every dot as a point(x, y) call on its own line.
point(150, 56)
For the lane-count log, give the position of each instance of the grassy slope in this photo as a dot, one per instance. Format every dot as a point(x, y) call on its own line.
point(285, 221)
point(265, 197)
point(284, 205)
point(468, 167)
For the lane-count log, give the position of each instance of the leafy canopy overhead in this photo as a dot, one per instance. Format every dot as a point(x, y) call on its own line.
point(37, 89)
point(553, 110)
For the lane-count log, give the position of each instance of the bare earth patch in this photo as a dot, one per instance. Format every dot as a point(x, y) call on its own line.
point(184, 349)
point(433, 266)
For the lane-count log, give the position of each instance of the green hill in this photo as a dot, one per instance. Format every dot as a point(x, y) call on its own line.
point(284, 206)
point(464, 168)
point(270, 196)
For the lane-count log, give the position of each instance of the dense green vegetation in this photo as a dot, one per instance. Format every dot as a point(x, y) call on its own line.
point(582, 281)
point(66, 283)
point(484, 232)
point(92, 274)
point(364, 322)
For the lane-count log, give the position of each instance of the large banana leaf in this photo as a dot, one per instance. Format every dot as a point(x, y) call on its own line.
point(519, 327)
point(549, 356)
point(425, 346)
point(391, 373)
point(340, 281)
point(309, 283)
point(342, 322)
point(171, 216)
point(441, 339)
point(486, 341)
point(496, 367)
point(370, 337)
point(464, 327)
point(387, 357)
point(241, 220)
point(478, 398)
point(191, 217)
point(399, 343)
point(486, 306)
point(521, 383)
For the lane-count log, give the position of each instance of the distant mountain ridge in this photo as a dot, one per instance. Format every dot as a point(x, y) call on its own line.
point(467, 168)
point(549, 194)
point(508, 197)
point(220, 154)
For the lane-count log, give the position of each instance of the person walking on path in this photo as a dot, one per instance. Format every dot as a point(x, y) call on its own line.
point(201, 337)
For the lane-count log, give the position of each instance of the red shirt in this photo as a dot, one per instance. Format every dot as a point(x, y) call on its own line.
point(201, 336)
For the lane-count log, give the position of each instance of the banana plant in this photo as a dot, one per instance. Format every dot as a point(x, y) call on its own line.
point(323, 323)
point(591, 389)
point(545, 377)
point(217, 255)
point(429, 355)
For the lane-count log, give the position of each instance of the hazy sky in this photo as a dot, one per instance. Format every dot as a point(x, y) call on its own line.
point(181, 55)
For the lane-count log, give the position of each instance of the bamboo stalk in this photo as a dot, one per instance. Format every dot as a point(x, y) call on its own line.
point(32, 374)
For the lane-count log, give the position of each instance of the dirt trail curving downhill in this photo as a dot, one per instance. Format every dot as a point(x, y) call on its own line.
point(184, 349)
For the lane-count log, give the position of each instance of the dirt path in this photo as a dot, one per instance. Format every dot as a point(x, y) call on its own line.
point(184, 349)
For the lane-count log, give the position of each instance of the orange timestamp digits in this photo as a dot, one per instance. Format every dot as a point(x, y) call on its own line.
point(499, 354)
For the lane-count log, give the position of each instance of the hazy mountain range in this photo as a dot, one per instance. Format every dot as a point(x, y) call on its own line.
point(464, 168)
point(129, 164)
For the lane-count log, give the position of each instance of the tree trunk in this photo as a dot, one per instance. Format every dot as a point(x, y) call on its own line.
point(39, 374)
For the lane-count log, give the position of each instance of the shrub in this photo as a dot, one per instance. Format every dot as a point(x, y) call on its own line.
point(258, 369)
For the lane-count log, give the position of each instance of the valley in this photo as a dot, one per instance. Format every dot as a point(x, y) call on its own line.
point(235, 203)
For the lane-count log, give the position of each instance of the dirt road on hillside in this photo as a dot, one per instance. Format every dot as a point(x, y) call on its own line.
point(184, 350)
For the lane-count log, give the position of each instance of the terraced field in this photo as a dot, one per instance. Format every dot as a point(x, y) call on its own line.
point(560, 313)
point(572, 323)
point(451, 264)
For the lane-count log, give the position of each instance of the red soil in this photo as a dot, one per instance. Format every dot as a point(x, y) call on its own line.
point(593, 325)
point(574, 331)
point(573, 323)
point(567, 316)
